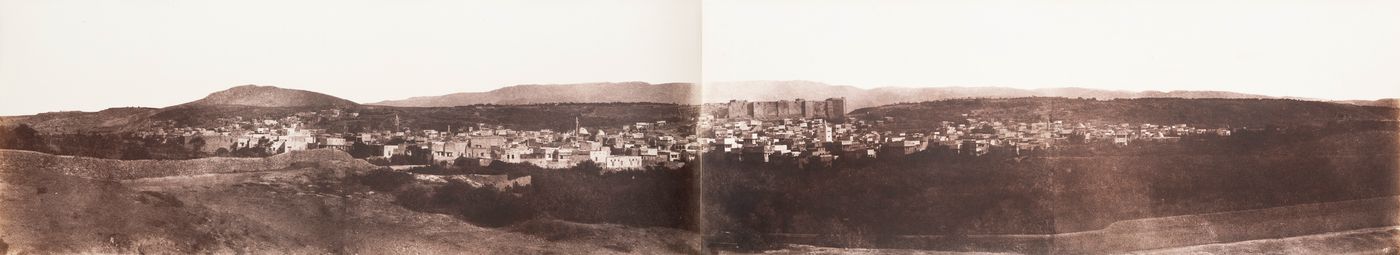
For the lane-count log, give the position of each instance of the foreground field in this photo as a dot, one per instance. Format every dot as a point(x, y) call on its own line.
point(299, 207)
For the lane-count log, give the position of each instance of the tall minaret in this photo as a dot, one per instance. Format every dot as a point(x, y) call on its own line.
point(396, 123)
point(578, 135)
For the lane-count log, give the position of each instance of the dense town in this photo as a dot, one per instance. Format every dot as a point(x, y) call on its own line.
point(822, 138)
point(825, 141)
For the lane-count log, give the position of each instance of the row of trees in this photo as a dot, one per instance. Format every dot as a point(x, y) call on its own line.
point(102, 145)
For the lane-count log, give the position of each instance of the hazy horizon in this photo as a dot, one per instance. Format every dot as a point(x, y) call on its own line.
point(92, 55)
point(1337, 50)
point(202, 95)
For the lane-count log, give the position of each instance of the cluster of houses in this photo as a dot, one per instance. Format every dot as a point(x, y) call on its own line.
point(815, 140)
point(629, 147)
point(635, 146)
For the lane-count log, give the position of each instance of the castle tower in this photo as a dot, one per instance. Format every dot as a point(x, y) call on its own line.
point(836, 109)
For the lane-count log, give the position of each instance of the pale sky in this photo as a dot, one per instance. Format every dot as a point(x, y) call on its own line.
point(95, 54)
point(1318, 49)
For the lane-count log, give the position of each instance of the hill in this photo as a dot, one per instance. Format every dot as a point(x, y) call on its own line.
point(859, 98)
point(672, 93)
point(270, 96)
point(1196, 112)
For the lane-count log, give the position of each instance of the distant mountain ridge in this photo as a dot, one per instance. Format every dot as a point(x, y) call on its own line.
point(607, 92)
point(270, 101)
point(686, 93)
point(271, 96)
point(857, 98)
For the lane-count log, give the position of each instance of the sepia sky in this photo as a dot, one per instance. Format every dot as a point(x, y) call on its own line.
point(95, 54)
point(1318, 49)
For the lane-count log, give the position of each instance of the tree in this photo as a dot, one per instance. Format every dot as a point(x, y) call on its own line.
point(589, 167)
point(196, 143)
point(196, 147)
point(132, 152)
point(362, 150)
point(23, 137)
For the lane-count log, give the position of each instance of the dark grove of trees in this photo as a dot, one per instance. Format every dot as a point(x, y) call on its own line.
point(21, 137)
point(865, 203)
point(102, 145)
point(653, 198)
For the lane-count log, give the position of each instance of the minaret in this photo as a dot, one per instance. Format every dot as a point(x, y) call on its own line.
point(396, 123)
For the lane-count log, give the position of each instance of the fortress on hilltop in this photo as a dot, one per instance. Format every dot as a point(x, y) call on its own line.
point(831, 109)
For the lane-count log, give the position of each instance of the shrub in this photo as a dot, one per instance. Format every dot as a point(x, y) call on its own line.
point(385, 181)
